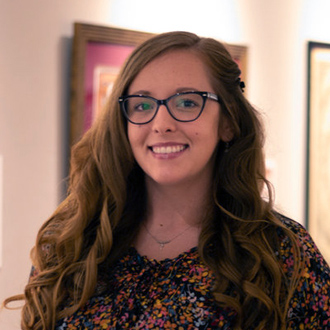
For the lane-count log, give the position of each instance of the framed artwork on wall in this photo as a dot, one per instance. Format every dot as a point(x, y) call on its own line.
point(318, 146)
point(98, 54)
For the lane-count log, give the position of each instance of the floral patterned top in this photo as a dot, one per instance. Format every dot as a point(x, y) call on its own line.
point(176, 294)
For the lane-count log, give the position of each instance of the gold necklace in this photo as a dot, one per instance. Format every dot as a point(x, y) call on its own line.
point(163, 243)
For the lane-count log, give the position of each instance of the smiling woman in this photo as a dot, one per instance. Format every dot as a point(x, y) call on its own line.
point(165, 225)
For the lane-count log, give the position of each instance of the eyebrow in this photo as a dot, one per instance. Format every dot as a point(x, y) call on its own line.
point(178, 90)
point(140, 92)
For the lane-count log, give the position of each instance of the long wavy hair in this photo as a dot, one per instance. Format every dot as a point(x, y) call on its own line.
point(106, 203)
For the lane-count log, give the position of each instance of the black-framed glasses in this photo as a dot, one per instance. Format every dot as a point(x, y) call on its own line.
point(184, 107)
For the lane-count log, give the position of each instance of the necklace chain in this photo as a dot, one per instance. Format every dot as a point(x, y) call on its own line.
point(163, 243)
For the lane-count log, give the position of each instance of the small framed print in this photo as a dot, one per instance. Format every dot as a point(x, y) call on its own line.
point(318, 150)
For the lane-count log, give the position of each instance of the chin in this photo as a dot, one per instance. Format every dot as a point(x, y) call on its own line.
point(171, 181)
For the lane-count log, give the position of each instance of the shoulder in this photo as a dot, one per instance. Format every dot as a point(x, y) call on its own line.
point(308, 249)
point(303, 238)
point(296, 228)
point(292, 225)
point(309, 304)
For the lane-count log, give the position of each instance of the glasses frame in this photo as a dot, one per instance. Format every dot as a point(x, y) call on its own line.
point(205, 96)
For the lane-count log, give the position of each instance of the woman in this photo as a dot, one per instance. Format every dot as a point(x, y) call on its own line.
point(164, 226)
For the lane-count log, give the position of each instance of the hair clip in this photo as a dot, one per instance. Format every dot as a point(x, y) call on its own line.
point(242, 85)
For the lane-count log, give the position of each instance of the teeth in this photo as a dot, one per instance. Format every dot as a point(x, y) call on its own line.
point(167, 150)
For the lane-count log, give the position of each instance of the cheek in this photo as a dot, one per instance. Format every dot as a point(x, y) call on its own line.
point(215, 128)
point(136, 136)
point(133, 132)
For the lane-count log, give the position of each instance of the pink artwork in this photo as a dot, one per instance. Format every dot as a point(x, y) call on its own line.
point(103, 62)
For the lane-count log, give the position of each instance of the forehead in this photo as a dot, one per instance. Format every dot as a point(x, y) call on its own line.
point(176, 69)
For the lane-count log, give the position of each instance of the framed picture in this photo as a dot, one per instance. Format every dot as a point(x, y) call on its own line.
point(318, 150)
point(98, 54)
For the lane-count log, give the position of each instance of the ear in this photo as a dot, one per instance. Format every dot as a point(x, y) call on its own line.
point(226, 130)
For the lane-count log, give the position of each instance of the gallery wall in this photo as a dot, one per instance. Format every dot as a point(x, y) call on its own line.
point(35, 50)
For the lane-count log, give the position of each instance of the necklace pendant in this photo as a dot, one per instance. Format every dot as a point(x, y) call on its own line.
point(162, 243)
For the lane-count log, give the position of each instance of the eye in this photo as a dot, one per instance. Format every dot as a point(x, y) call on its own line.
point(141, 105)
point(187, 102)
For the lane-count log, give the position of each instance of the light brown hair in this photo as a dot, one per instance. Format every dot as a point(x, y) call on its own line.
point(107, 200)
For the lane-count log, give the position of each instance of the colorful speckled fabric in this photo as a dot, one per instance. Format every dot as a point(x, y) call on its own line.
point(176, 294)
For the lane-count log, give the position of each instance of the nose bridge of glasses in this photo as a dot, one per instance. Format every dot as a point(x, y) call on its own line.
point(162, 114)
point(165, 103)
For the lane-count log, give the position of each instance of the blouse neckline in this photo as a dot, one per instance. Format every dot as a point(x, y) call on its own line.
point(191, 253)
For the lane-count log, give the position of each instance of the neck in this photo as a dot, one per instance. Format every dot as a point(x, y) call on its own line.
point(175, 206)
point(174, 219)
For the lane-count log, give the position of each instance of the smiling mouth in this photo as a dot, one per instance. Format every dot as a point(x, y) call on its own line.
point(168, 149)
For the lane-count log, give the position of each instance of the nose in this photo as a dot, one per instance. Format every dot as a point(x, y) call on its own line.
point(163, 122)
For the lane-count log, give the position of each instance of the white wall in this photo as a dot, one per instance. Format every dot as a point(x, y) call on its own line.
point(34, 80)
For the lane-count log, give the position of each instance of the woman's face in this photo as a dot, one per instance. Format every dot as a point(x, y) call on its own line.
point(172, 152)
